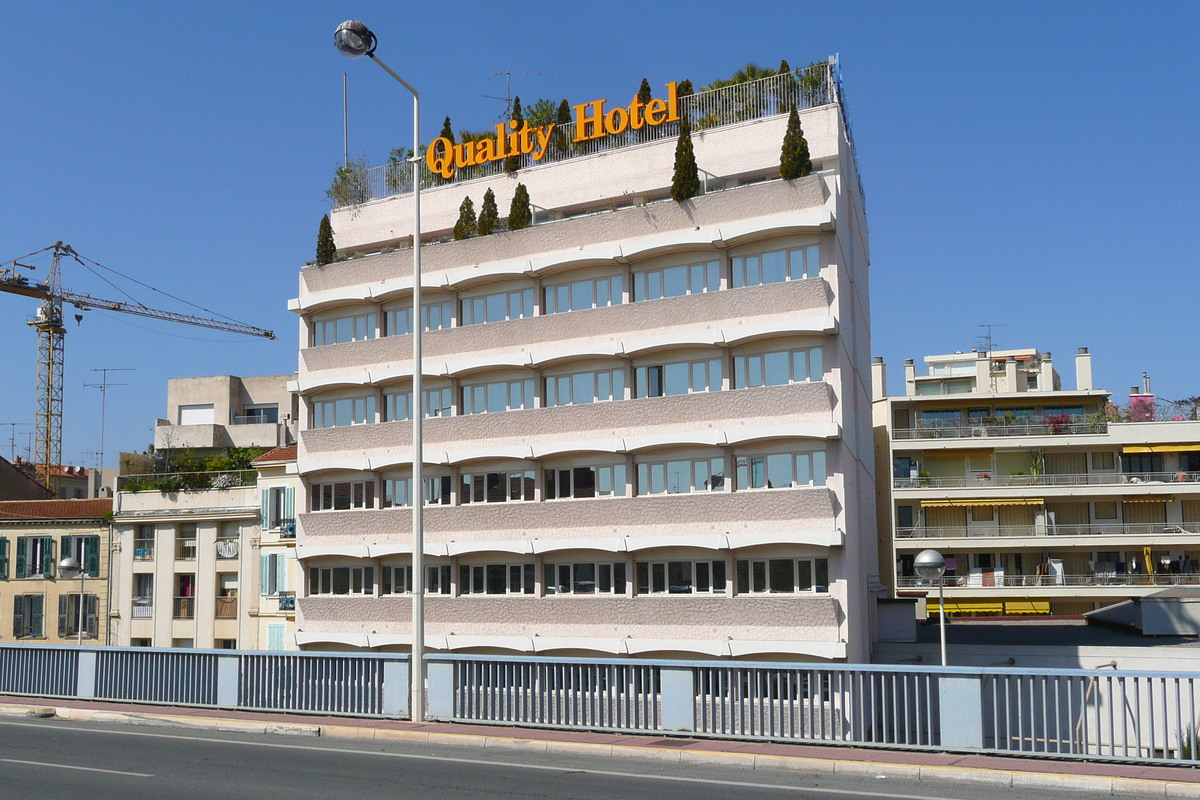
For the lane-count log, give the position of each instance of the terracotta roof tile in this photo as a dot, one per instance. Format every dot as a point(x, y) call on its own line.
point(278, 454)
point(55, 509)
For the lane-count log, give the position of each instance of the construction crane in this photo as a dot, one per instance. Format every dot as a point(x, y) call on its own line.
point(48, 322)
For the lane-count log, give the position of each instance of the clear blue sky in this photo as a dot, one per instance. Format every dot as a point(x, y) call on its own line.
point(1027, 164)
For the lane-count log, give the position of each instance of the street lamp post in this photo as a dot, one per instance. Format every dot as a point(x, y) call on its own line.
point(70, 568)
point(355, 40)
point(931, 566)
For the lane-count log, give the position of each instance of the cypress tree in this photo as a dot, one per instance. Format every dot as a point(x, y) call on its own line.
point(644, 96)
point(784, 67)
point(564, 118)
point(489, 215)
point(794, 161)
point(685, 184)
point(465, 227)
point(447, 131)
point(684, 88)
point(513, 163)
point(326, 250)
point(520, 213)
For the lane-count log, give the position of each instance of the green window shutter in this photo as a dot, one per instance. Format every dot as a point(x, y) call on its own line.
point(264, 520)
point(289, 503)
point(35, 607)
point(64, 611)
point(49, 561)
point(18, 616)
point(90, 615)
point(21, 540)
point(91, 556)
point(264, 575)
point(65, 544)
point(3, 557)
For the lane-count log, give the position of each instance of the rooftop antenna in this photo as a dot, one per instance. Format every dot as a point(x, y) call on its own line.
point(508, 73)
point(12, 437)
point(103, 387)
point(987, 342)
point(345, 122)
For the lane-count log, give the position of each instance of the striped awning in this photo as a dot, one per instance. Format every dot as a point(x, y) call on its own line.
point(1148, 499)
point(1161, 448)
point(986, 501)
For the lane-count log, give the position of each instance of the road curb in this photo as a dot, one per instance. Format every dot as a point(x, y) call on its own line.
point(1016, 779)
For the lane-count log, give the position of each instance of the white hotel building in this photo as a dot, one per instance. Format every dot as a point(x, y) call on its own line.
point(648, 423)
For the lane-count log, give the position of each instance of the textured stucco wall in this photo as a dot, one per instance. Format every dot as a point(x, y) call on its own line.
point(812, 619)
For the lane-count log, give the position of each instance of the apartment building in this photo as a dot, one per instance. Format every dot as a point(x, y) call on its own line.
point(210, 414)
point(646, 422)
point(43, 605)
point(211, 566)
point(1041, 501)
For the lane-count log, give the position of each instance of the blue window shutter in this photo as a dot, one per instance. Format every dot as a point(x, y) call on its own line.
point(21, 540)
point(281, 572)
point(264, 575)
point(289, 503)
point(264, 520)
point(91, 556)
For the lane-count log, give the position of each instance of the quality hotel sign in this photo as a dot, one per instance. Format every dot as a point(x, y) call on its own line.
point(591, 122)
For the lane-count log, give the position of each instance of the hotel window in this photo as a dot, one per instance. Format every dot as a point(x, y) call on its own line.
point(677, 281)
point(341, 580)
point(398, 580)
point(497, 487)
point(777, 266)
point(397, 406)
point(496, 578)
point(681, 477)
point(434, 317)
point(681, 577)
point(185, 542)
point(582, 388)
point(491, 398)
point(85, 550)
point(342, 495)
point(581, 482)
point(581, 295)
point(683, 377)
point(68, 615)
point(340, 413)
point(29, 616)
point(1141, 463)
point(143, 543)
point(1106, 510)
point(398, 491)
point(345, 329)
point(781, 470)
point(778, 368)
point(782, 575)
point(497, 307)
point(1103, 460)
point(35, 557)
point(584, 578)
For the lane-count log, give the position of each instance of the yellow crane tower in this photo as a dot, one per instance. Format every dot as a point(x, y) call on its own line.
point(48, 322)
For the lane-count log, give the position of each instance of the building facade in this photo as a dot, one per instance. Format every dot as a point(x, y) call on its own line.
point(44, 607)
point(213, 413)
point(1040, 500)
point(647, 422)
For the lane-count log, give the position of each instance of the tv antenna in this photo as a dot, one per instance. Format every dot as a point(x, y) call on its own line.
point(12, 437)
point(508, 73)
point(103, 387)
point(986, 341)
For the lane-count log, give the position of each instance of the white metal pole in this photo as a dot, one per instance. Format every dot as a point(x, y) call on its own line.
point(942, 615)
point(82, 573)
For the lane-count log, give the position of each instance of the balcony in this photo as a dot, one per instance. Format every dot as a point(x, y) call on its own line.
point(184, 608)
point(228, 548)
point(226, 608)
point(985, 481)
point(143, 608)
point(287, 528)
point(185, 549)
point(143, 550)
point(985, 430)
point(1018, 531)
point(1003, 581)
point(287, 601)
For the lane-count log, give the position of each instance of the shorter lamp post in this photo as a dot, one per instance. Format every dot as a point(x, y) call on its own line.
point(931, 566)
point(69, 568)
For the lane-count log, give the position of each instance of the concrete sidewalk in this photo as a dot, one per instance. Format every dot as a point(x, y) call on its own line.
point(1041, 773)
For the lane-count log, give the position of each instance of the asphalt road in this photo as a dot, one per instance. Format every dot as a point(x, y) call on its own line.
point(57, 759)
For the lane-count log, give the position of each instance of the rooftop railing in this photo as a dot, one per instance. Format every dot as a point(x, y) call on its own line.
point(1091, 529)
point(187, 481)
point(807, 87)
point(969, 430)
point(1091, 479)
point(1008, 581)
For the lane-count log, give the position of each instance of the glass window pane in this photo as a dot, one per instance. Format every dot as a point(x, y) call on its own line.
point(585, 579)
point(774, 267)
point(584, 479)
point(604, 580)
point(739, 273)
point(755, 371)
point(743, 576)
point(564, 389)
point(616, 289)
point(714, 375)
point(657, 478)
point(643, 578)
point(497, 397)
point(743, 473)
point(679, 577)
point(717, 468)
point(739, 372)
point(760, 576)
point(341, 580)
point(701, 475)
point(775, 369)
point(676, 378)
point(658, 574)
point(718, 576)
point(822, 574)
point(548, 300)
point(814, 261)
point(584, 386)
point(345, 329)
point(496, 307)
point(618, 384)
point(653, 285)
point(714, 277)
point(602, 297)
point(679, 477)
point(639, 286)
point(803, 469)
point(496, 579)
point(702, 576)
point(696, 279)
point(527, 303)
point(619, 578)
point(643, 478)
point(564, 297)
point(818, 459)
point(753, 278)
point(783, 575)
point(816, 371)
point(604, 481)
point(699, 377)
point(581, 295)
point(619, 480)
point(550, 393)
point(799, 366)
point(343, 409)
point(604, 386)
point(805, 575)
point(674, 281)
point(758, 473)
point(779, 470)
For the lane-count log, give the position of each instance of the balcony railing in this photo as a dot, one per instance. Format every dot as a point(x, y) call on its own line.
point(1006, 581)
point(143, 608)
point(983, 430)
point(226, 608)
point(806, 87)
point(287, 601)
point(143, 550)
point(184, 608)
point(228, 548)
point(253, 419)
point(1091, 529)
point(1091, 479)
point(287, 528)
point(185, 549)
point(169, 482)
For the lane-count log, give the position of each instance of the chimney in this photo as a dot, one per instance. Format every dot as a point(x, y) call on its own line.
point(910, 377)
point(983, 372)
point(1083, 370)
point(1046, 378)
point(1010, 374)
point(878, 379)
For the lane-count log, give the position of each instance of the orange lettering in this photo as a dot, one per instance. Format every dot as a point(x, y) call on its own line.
point(656, 112)
point(595, 120)
point(614, 127)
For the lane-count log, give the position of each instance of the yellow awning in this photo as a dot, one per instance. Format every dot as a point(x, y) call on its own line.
point(1001, 501)
point(1026, 606)
point(1148, 499)
point(1161, 448)
point(967, 606)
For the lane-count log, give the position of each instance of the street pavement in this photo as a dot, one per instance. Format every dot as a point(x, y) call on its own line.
point(53, 758)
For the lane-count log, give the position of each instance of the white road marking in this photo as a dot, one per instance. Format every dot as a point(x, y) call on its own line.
point(73, 766)
point(478, 762)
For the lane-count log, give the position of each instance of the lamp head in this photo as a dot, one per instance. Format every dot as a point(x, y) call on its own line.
point(69, 568)
point(354, 39)
point(929, 564)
